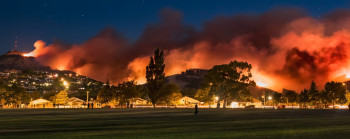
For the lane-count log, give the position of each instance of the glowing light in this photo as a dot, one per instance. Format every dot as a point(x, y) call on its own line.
point(46, 84)
point(261, 84)
point(66, 84)
point(216, 98)
point(234, 105)
point(61, 68)
point(29, 55)
point(269, 97)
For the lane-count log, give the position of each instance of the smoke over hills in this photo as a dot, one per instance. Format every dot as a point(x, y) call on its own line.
point(286, 47)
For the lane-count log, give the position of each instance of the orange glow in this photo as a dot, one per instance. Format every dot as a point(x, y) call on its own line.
point(305, 49)
point(39, 45)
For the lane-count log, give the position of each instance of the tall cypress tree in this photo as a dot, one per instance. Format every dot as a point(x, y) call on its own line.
point(155, 76)
point(304, 97)
point(313, 92)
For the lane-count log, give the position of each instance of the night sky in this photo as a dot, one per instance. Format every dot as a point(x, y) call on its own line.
point(78, 20)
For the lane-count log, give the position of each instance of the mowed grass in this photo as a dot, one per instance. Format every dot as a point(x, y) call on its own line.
point(174, 123)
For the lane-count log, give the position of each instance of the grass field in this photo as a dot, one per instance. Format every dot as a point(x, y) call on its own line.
point(173, 123)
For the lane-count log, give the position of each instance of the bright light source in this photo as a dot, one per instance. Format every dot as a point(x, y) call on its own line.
point(234, 105)
point(269, 97)
point(65, 83)
point(29, 55)
point(216, 98)
point(261, 84)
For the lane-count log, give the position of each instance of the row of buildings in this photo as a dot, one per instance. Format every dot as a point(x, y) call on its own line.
point(183, 102)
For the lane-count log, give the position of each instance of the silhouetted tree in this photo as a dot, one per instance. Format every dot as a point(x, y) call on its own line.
point(347, 96)
point(323, 98)
point(105, 94)
point(127, 90)
point(191, 92)
point(304, 97)
point(278, 98)
point(35, 95)
point(49, 95)
point(291, 96)
point(335, 91)
point(230, 80)
point(171, 94)
point(313, 93)
point(155, 76)
point(205, 95)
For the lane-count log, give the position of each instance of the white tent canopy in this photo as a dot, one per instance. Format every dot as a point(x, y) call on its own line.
point(40, 101)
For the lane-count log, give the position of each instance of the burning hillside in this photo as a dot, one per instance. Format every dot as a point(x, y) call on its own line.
point(287, 48)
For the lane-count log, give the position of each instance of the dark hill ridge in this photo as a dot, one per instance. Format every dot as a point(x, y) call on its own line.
point(191, 78)
point(14, 60)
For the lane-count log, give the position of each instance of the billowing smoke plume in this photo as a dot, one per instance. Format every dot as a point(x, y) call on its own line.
point(286, 47)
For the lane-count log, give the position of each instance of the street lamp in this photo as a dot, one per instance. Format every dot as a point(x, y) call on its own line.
point(217, 100)
point(270, 97)
point(346, 87)
point(65, 84)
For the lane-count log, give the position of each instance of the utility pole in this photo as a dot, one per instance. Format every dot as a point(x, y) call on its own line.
point(15, 49)
point(264, 98)
point(87, 99)
point(346, 86)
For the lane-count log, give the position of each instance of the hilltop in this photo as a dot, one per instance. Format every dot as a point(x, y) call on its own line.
point(14, 60)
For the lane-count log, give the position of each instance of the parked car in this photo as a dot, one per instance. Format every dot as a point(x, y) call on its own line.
point(281, 107)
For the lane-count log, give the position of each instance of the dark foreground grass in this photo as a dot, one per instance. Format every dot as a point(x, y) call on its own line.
point(173, 123)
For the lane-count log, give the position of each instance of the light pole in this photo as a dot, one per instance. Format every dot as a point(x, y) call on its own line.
point(210, 84)
point(264, 99)
point(346, 87)
point(87, 99)
point(216, 98)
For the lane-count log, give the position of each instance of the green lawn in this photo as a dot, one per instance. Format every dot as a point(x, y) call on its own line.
point(173, 123)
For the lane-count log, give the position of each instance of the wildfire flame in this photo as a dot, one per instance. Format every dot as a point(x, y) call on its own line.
point(39, 45)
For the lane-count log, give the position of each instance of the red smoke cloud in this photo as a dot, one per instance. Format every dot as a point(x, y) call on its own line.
point(286, 47)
